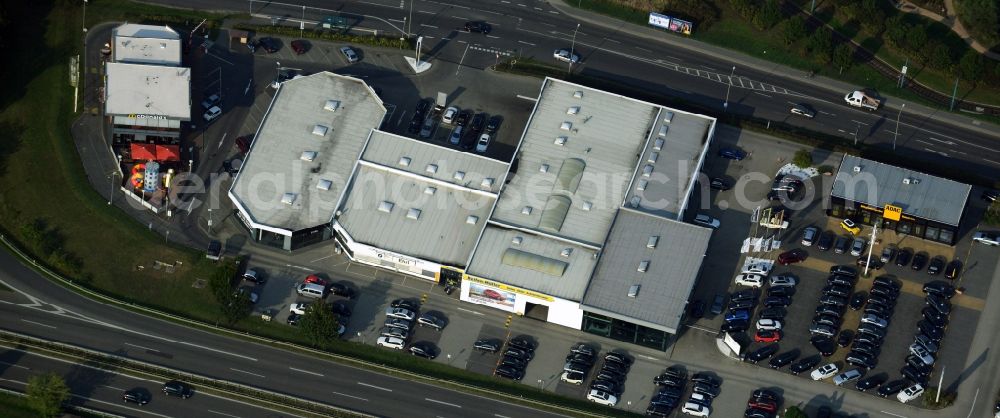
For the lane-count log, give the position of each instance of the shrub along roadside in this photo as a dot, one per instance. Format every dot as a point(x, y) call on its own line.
point(373, 40)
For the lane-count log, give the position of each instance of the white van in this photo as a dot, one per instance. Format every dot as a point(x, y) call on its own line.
point(311, 290)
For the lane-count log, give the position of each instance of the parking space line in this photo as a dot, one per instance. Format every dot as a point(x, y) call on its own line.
point(428, 26)
point(526, 43)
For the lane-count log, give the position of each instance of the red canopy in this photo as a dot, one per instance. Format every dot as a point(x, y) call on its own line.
point(168, 153)
point(141, 151)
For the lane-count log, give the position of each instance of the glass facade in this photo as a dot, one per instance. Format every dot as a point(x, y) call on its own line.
point(625, 331)
point(907, 225)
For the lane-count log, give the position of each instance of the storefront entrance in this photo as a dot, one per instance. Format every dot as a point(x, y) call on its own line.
point(625, 331)
point(536, 311)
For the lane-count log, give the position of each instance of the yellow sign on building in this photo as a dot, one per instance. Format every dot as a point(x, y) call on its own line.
point(508, 288)
point(892, 213)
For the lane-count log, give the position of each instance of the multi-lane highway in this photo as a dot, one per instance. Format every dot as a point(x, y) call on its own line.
point(659, 63)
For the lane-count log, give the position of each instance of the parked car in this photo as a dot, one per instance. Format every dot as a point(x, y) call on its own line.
point(487, 345)
point(782, 301)
point(602, 397)
point(405, 304)
point(910, 393)
point(573, 378)
point(888, 253)
point(804, 364)
point(935, 266)
point(953, 269)
point(841, 245)
point(893, 387)
point(768, 324)
point(431, 321)
point(871, 382)
point(847, 376)
point(903, 257)
point(349, 54)
point(919, 260)
point(826, 240)
point(824, 344)
point(706, 221)
point(774, 312)
point(391, 342)
point(299, 46)
point(767, 336)
point(849, 226)
point(987, 238)
point(783, 359)
point(751, 280)
point(809, 236)
point(212, 113)
point(825, 371)
point(858, 301)
point(399, 313)
point(211, 101)
point(792, 257)
point(718, 303)
point(716, 183)
point(695, 409)
point(732, 154)
point(509, 372)
point(735, 326)
point(423, 349)
point(857, 246)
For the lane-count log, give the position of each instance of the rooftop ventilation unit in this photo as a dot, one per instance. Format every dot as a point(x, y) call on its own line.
point(653, 240)
point(320, 130)
point(647, 170)
point(324, 185)
point(516, 240)
point(642, 184)
point(566, 126)
point(658, 144)
point(288, 198)
point(668, 117)
point(332, 105)
point(404, 161)
point(430, 190)
point(431, 168)
point(471, 219)
point(526, 210)
point(385, 206)
point(653, 156)
point(308, 155)
point(566, 252)
point(561, 140)
point(633, 290)
point(573, 110)
point(487, 183)
point(413, 213)
point(587, 206)
point(664, 129)
point(643, 266)
point(906, 180)
point(634, 201)
point(857, 169)
point(915, 180)
point(459, 175)
point(578, 94)
point(544, 168)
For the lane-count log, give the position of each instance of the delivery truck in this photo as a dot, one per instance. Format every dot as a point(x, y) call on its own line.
point(863, 100)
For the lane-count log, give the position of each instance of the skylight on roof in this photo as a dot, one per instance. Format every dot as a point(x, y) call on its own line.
point(487, 183)
point(653, 156)
point(566, 252)
point(471, 219)
point(288, 198)
point(642, 184)
point(647, 170)
point(544, 168)
point(385, 206)
point(587, 206)
point(643, 266)
point(573, 110)
point(653, 240)
point(324, 185)
point(578, 94)
point(526, 210)
point(332, 105)
point(459, 175)
point(431, 168)
point(404, 161)
point(413, 213)
point(566, 126)
point(308, 155)
point(658, 144)
point(561, 140)
point(430, 190)
point(319, 130)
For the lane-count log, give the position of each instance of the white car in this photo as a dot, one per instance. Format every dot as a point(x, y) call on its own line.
point(988, 238)
point(782, 281)
point(874, 320)
point(751, 280)
point(910, 393)
point(400, 313)
point(601, 397)
point(212, 113)
point(391, 342)
point(768, 324)
point(484, 142)
point(298, 308)
point(705, 220)
point(696, 409)
point(824, 371)
point(809, 236)
point(564, 55)
point(573, 378)
point(349, 53)
point(449, 115)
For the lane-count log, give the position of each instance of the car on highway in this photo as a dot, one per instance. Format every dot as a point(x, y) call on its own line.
point(478, 27)
point(732, 154)
point(802, 109)
point(565, 55)
point(178, 389)
point(138, 396)
point(400, 313)
point(825, 371)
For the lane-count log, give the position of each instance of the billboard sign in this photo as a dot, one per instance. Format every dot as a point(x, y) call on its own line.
point(672, 24)
point(488, 295)
point(658, 20)
point(682, 26)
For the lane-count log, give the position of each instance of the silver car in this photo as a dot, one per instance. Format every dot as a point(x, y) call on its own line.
point(394, 332)
point(858, 246)
point(399, 313)
point(349, 53)
point(809, 236)
point(398, 323)
point(430, 320)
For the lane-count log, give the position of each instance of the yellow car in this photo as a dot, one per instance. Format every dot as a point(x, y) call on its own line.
point(849, 226)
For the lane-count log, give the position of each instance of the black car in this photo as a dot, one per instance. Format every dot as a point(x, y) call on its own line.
point(136, 396)
point(340, 308)
point(463, 118)
point(270, 45)
point(858, 301)
point(697, 309)
point(487, 345)
point(845, 338)
point(615, 367)
point(493, 124)
point(423, 349)
point(825, 345)
point(735, 326)
point(953, 269)
point(661, 410)
point(341, 289)
point(477, 122)
point(178, 389)
point(913, 374)
point(939, 303)
point(745, 294)
point(935, 318)
point(805, 364)
point(521, 343)
point(940, 288)
point(870, 349)
point(783, 359)
point(990, 196)
point(874, 300)
point(893, 387)
point(839, 280)
point(904, 256)
point(616, 357)
point(742, 304)
point(935, 266)
point(931, 331)
point(780, 291)
point(719, 184)
point(708, 390)
point(777, 301)
point(832, 310)
point(830, 320)
point(669, 392)
point(609, 386)
point(517, 352)
point(919, 260)
point(872, 330)
point(583, 349)
point(840, 246)
point(606, 374)
point(415, 123)
point(838, 301)
point(838, 290)
point(888, 293)
point(702, 377)
point(861, 360)
point(774, 312)
point(762, 353)
point(860, 338)
point(844, 271)
point(405, 304)
point(825, 241)
point(757, 413)
point(670, 380)
point(479, 27)
point(873, 264)
point(509, 372)
point(293, 319)
point(765, 395)
point(580, 358)
point(871, 382)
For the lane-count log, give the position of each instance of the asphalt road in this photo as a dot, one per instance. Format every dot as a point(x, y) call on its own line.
point(102, 390)
point(41, 308)
point(532, 28)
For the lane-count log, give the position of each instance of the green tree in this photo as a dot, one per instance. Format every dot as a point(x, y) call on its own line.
point(319, 325)
point(821, 45)
point(46, 394)
point(871, 16)
point(939, 56)
point(916, 37)
point(803, 158)
point(236, 307)
point(971, 66)
point(794, 412)
point(768, 15)
point(793, 30)
point(843, 56)
point(221, 282)
point(895, 31)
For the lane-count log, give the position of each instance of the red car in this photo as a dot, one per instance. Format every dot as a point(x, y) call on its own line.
point(767, 336)
point(493, 294)
point(243, 143)
point(299, 46)
point(792, 257)
point(315, 280)
point(763, 405)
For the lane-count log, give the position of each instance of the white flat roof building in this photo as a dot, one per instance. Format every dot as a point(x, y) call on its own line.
point(304, 152)
point(148, 91)
point(146, 44)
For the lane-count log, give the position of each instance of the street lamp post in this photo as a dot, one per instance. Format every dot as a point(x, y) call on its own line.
point(409, 22)
point(725, 104)
point(572, 50)
point(190, 164)
point(896, 136)
point(209, 220)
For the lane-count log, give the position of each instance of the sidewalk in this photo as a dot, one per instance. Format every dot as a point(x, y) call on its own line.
point(777, 70)
point(952, 21)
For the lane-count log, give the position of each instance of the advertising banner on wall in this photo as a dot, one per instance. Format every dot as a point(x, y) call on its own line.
point(658, 20)
point(681, 26)
point(672, 24)
point(488, 295)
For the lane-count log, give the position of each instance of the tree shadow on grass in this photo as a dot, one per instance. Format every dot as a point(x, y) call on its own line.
point(10, 142)
point(22, 44)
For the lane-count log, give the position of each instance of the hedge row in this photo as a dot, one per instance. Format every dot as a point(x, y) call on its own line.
point(323, 35)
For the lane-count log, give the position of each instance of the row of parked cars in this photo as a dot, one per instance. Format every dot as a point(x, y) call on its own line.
point(609, 384)
point(401, 316)
point(518, 352)
point(672, 386)
point(471, 130)
point(763, 403)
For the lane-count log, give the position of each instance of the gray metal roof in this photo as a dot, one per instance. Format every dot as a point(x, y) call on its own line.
point(672, 269)
point(440, 163)
point(535, 262)
point(878, 184)
point(670, 162)
point(396, 211)
point(602, 135)
point(148, 90)
point(146, 44)
point(276, 166)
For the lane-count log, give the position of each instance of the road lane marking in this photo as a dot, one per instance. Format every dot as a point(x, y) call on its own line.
point(467, 310)
point(305, 371)
point(895, 415)
point(322, 258)
point(648, 357)
point(141, 347)
point(350, 396)
point(216, 350)
point(14, 365)
point(249, 373)
point(424, 11)
point(553, 12)
point(991, 161)
point(500, 416)
point(611, 40)
point(643, 49)
point(442, 402)
point(396, 20)
point(375, 387)
point(526, 43)
point(762, 94)
point(39, 324)
point(491, 36)
point(112, 387)
point(222, 413)
point(428, 26)
point(973, 407)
